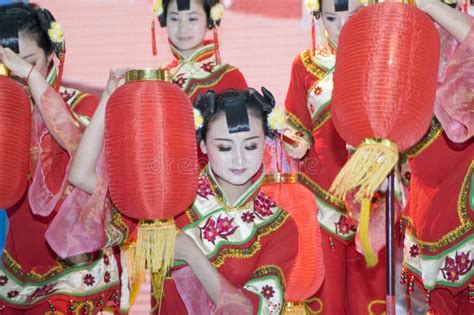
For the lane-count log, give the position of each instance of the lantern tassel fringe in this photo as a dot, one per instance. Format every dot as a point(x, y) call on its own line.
point(366, 169)
point(371, 258)
point(129, 249)
point(155, 251)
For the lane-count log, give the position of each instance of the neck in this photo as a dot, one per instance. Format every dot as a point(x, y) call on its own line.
point(188, 53)
point(233, 192)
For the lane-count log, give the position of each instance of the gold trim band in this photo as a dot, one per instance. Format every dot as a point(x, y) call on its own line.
point(280, 178)
point(148, 75)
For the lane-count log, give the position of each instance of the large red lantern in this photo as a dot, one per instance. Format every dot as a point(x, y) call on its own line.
point(283, 185)
point(383, 97)
point(150, 144)
point(15, 133)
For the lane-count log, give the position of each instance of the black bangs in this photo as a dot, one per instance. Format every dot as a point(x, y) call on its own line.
point(341, 5)
point(9, 32)
point(236, 114)
point(183, 5)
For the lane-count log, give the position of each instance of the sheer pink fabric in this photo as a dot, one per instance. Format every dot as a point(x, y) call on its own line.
point(79, 226)
point(454, 106)
point(194, 296)
point(58, 118)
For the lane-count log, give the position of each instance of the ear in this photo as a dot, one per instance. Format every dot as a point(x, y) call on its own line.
point(202, 146)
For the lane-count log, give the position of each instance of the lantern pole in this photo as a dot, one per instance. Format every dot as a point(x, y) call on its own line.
point(390, 241)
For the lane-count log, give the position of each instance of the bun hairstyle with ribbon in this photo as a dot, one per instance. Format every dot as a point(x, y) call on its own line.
point(236, 106)
point(30, 19)
point(213, 9)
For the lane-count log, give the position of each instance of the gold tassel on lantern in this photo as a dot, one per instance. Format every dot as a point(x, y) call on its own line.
point(365, 172)
point(155, 251)
point(4, 70)
point(366, 169)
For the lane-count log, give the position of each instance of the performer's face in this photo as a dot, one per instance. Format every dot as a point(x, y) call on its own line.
point(187, 28)
point(234, 157)
point(334, 21)
point(33, 54)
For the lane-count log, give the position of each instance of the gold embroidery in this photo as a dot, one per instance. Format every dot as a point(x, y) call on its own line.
point(466, 222)
point(321, 120)
point(269, 270)
point(31, 276)
point(254, 247)
point(318, 190)
point(310, 66)
point(433, 133)
point(296, 124)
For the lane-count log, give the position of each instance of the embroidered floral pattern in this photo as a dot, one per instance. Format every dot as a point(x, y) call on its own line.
point(106, 260)
point(318, 90)
point(204, 187)
point(267, 292)
point(414, 250)
point(311, 108)
point(344, 226)
point(208, 66)
point(222, 228)
point(263, 205)
point(107, 277)
point(456, 267)
point(89, 280)
point(12, 294)
point(180, 80)
point(43, 291)
point(248, 217)
point(3, 280)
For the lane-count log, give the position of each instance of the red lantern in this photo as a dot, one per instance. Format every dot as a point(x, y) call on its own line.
point(15, 124)
point(150, 143)
point(286, 190)
point(383, 97)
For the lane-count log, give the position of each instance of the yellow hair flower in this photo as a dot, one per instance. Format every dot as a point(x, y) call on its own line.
point(217, 12)
point(198, 119)
point(276, 120)
point(157, 7)
point(312, 5)
point(56, 33)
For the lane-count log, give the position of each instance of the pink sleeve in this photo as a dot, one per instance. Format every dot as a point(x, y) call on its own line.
point(196, 300)
point(56, 117)
point(79, 226)
point(454, 101)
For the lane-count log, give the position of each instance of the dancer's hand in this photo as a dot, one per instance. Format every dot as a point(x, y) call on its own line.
point(17, 66)
point(116, 79)
point(185, 248)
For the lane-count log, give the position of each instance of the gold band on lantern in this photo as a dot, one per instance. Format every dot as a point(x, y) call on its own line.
point(278, 178)
point(4, 70)
point(380, 141)
point(148, 75)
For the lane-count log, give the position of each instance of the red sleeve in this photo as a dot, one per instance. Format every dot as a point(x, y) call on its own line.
point(296, 99)
point(86, 106)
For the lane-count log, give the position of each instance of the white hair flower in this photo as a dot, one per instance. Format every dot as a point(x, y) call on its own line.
point(312, 5)
point(276, 120)
point(157, 7)
point(217, 12)
point(198, 119)
point(56, 33)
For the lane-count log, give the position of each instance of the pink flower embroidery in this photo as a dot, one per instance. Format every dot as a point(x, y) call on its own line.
point(456, 267)
point(204, 187)
point(267, 292)
point(180, 80)
point(89, 280)
point(106, 260)
point(318, 91)
point(224, 224)
point(208, 66)
point(13, 294)
point(209, 231)
point(223, 228)
point(107, 277)
point(3, 280)
point(414, 250)
point(344, 226)
point(248, 217)
point(263, 205)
